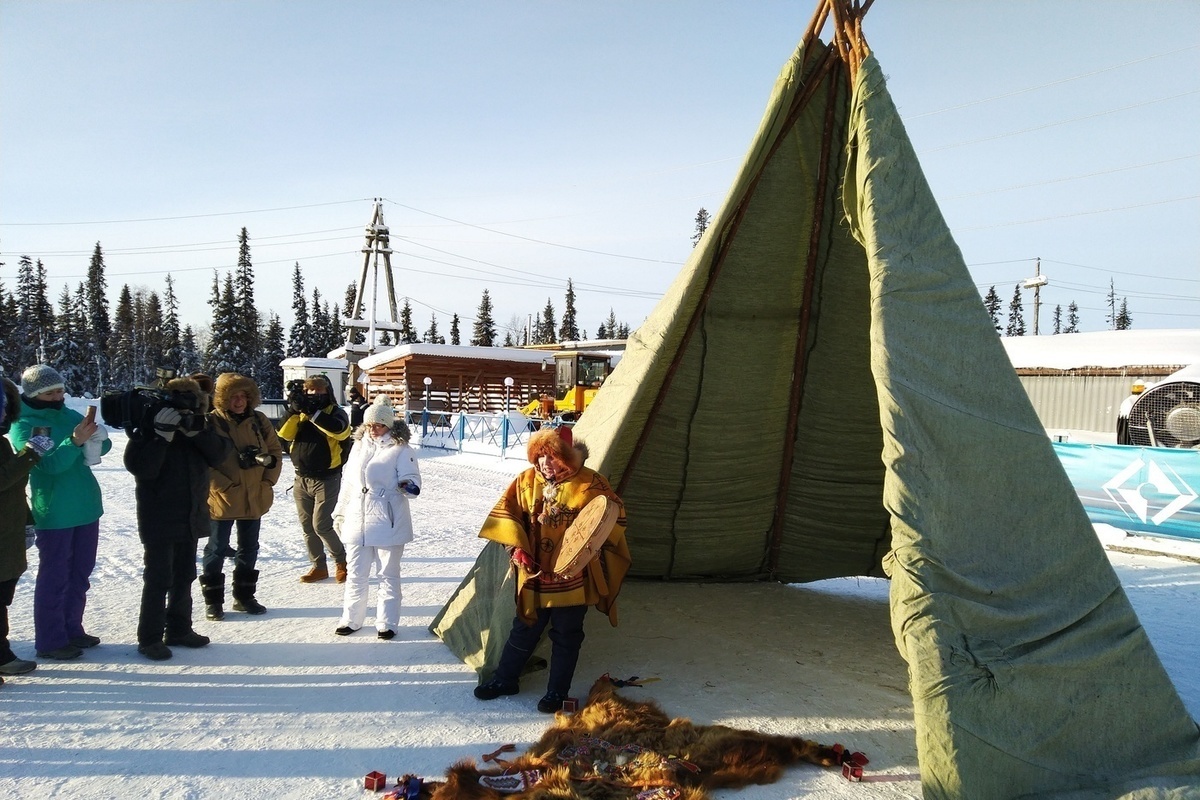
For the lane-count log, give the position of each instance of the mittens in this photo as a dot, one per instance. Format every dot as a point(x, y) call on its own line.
point(40, 444)
point(30, 536)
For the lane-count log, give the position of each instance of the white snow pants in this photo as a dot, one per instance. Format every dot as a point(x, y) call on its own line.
point(358, 573)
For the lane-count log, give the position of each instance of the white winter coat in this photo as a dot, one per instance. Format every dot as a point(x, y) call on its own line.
point(373, 508)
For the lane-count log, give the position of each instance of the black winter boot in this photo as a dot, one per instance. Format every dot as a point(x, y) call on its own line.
point(245, 583)
point(213, 589)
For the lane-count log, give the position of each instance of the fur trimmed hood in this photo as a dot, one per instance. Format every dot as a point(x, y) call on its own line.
point(11, 407)
point(189, 386)
point(230, 383)
point(559, 444)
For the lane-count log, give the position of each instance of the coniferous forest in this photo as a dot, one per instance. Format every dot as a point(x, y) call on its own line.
point(99, 346)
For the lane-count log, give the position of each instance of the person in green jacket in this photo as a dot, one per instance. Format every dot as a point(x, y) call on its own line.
point(14, 517)
point(66, 505)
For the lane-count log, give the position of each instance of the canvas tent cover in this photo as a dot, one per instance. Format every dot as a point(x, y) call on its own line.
point(821, 393)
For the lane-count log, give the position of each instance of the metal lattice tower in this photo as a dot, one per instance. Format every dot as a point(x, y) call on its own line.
point(377, 253)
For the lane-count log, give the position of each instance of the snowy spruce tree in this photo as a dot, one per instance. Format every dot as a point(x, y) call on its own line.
point(484, 332)
point(455, 338)
point(99, 324)
point(1016, 317)
point(408, 333)
point(270, 380)
point(992, 303)
point(569, 330)
point(225, 351)
point(432, 336)
point(1072, 318)
point(171, 344)
point(702, 222)
point(299, 345)
point(66, 349)
point(545, 331)
point(246, 316)
point(121, 347)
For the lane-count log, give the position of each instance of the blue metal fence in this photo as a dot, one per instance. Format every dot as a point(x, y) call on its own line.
point(502, 435)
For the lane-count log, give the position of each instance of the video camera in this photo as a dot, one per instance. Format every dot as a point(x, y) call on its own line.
point(300, 401)
point(252, 455)
point(134, 408)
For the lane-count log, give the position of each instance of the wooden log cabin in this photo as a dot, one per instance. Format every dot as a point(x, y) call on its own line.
point(462, 379)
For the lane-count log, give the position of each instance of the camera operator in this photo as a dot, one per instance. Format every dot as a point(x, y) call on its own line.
point(240, 492)
point(316, 428)
point(169, 454)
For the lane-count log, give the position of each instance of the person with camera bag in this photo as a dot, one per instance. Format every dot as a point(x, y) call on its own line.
point(65, 500)
point(316, 428)
point(241, 490)
point(170, 452)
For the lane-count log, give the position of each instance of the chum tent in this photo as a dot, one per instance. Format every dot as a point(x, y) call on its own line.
point(821, 393)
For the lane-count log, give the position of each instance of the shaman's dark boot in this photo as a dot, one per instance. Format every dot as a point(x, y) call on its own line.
point(245, 583)
point(213, 589)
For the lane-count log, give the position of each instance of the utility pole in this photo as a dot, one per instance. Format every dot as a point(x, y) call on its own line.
point(1036, 283)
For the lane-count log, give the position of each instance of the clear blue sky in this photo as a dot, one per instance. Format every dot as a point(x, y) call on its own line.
point(519, 144)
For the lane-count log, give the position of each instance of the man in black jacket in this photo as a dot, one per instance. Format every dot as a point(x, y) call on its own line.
point(316, 428)
point(169, 456)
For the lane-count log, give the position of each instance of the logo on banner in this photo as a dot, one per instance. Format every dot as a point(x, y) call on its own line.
point(1124, 486)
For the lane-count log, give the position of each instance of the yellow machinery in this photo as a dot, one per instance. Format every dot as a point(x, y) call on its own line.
point(577, 378)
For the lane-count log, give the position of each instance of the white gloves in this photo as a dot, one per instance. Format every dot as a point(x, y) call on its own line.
point(337, 524)
point(166, 422)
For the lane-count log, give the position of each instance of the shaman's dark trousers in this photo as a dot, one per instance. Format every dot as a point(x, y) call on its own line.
point(566, 637)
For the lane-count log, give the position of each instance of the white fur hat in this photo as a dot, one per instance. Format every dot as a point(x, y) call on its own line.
point(380, 412)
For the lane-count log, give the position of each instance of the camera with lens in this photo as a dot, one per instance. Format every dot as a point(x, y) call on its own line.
point(252, 456)
point(134, 408)
point(297, 398)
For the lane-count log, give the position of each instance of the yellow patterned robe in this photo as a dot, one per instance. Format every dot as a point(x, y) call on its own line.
point(514, 522)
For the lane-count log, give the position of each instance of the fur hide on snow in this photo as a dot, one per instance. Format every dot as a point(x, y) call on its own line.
point(615, 748)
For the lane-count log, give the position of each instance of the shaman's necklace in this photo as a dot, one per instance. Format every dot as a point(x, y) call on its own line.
point(550, 505)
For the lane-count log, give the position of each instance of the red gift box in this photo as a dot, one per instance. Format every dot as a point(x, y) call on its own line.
point(376, 781)
point(570, 705)
point(852, 771)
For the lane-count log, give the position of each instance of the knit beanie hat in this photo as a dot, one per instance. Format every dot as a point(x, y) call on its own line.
point(380, 412)
point(40, 378)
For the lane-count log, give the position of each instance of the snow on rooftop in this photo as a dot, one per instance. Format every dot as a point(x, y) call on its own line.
point(1112, 349)
point(456, 351)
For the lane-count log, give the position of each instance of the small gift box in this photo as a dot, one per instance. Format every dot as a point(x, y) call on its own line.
point(376, 781)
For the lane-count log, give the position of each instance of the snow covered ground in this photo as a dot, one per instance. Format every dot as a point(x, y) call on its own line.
point(278, 706)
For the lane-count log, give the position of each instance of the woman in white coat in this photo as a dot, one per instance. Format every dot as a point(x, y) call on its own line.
point(372, 516)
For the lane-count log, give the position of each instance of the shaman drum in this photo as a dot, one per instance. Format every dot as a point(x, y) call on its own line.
point(585, 536)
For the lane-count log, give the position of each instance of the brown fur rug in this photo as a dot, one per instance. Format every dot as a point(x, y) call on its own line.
point(615, 748)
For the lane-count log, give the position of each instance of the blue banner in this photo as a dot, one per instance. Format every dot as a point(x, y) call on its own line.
point(1150, 490)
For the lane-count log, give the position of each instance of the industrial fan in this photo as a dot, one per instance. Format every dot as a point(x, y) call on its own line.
point(1167, 414)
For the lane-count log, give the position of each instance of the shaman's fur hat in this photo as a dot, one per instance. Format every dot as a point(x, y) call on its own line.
point(559, 444)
